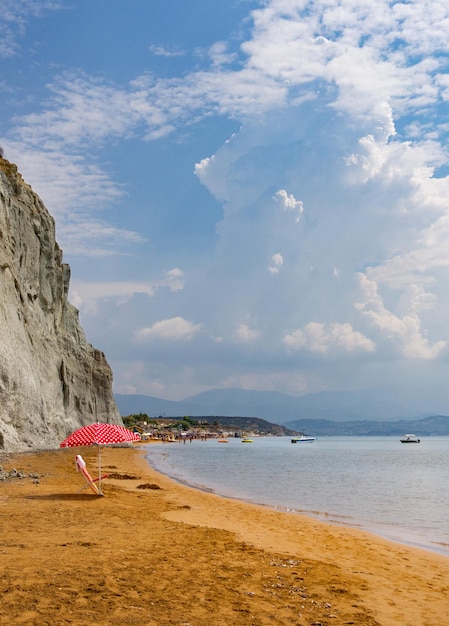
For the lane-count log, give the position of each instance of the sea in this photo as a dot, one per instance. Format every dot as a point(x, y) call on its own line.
point(395, 490)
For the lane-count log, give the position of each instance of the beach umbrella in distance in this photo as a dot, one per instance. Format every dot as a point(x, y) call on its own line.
point(99, 434)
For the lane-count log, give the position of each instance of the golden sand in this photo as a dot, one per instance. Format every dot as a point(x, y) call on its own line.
point(154, 552)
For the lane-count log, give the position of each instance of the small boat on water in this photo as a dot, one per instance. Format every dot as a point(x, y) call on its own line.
point(222, 440)
point(303, 439)
point(246, 440)
point(410, 439)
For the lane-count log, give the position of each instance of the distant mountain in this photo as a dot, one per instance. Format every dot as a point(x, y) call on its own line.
point(371, 404)
point(235, 402)
point(153, 407)
point(428, 426)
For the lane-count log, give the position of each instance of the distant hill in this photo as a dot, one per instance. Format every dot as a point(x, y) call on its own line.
point(276, 407)
point(154, 407)
point(327, 413)
point(241, 425)
point(425, 427)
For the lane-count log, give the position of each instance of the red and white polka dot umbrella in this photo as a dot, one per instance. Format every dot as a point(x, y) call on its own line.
point(99, 434)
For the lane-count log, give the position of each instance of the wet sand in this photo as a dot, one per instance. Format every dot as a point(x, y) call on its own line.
point(155, 552)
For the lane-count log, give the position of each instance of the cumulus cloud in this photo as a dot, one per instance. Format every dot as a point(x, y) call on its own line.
point(292, 46)
point(372, 200)
point(338, 104)
point(322, 338)
point(245, 333)
point(346, 55)
point(173, 329)
point(289, 203)
point(404, 332)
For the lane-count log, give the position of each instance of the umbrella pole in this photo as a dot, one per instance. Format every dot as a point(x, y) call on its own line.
point(99, 470)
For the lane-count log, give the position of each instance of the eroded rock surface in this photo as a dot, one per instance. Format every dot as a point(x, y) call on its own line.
point(51, 379)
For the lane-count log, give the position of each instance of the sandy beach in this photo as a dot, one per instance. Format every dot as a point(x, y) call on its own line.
point(155, 552)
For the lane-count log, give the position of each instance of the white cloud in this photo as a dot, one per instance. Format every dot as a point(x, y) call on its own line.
point(338, 104)
point(173, 329)
point(14, 15)
point(74, 191)
point(277, 263)
point(293, 45)
point(373, 51)
point(347, 55)
point(87, 109)
point(245, 333)
point(174, 279)
point(219, 54)
point(86, 295)
point(404, 332)
point(396, 160)
point(321, 338)
point(289, 203)
point(163, 51)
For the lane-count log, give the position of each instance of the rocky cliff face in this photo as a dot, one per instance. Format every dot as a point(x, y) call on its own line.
point(51, 380)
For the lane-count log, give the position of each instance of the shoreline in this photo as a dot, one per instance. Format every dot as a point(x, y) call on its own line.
point(321, 516)
point(153, 551)
point(397, 535)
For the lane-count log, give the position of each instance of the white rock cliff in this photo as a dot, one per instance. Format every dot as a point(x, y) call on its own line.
point(51, 379)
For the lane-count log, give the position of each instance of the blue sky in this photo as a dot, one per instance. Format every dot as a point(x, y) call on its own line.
point(250, 193)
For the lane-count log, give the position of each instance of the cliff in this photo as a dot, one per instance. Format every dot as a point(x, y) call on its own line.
point(51, 379)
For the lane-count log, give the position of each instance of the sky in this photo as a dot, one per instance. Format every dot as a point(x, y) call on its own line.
point(251, 194)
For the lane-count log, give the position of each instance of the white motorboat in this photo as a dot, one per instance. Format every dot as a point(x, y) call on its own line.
point(303, 439)
point(410, 439)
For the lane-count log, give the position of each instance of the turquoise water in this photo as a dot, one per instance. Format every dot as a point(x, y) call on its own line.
point(399, 491)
